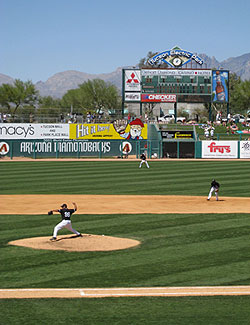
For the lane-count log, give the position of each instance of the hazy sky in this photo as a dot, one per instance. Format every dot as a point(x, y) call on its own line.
point(39, 38)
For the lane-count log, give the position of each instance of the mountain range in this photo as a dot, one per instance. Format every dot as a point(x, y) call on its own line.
point(58, 84)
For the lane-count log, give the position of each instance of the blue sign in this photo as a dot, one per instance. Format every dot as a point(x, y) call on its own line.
point(220, 86)
point(175, 58)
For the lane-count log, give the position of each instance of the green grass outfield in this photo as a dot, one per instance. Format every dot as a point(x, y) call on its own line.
point(176, 250)
point(128, 311)
point(124, 177)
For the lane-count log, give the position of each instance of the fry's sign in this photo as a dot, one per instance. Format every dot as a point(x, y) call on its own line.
point(219, 149)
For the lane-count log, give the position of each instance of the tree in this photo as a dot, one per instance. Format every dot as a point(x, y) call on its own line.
point(94, 96)
point(201, 114)
point(234, 80)
point(5, 95)
point(49, 102)
point(240, 97)
point(182, 112)
point(18, 95)
point(148, 108)
point(144, 61)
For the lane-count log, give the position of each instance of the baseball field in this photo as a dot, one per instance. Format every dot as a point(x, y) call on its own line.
point(154, 250)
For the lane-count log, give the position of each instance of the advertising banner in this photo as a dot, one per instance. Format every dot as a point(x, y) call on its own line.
point(4, 148)
point(120, 129)
point(219, 149)
point(66, 148)
point(132, 80)
point(158, 98)
point(132, 97)
point(177, 134)
point(245, 149)
point(15, 131)
point(63, 147)
point(220, 86)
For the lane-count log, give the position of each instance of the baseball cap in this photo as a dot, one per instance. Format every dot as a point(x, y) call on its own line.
point(64, 205)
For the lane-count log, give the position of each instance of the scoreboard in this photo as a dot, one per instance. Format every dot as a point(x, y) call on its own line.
point(175, 85)
point(188, 85)
point(164, 80)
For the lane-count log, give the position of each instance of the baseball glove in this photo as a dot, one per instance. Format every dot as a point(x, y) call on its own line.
point(120, 126)
point(50, 213)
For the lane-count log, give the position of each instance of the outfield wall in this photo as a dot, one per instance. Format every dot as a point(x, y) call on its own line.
point(78, 148)
point(117, 148)
point(78, 140)
point(104, 140)
point(206, 149)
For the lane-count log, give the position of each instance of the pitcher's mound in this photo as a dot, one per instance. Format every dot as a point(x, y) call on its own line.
point(71, 243)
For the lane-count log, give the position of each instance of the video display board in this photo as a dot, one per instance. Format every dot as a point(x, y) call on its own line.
point(189, 85)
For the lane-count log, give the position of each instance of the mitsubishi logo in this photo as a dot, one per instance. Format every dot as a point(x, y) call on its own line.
point(133, 79)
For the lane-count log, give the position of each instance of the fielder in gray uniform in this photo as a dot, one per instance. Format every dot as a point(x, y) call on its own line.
point(214, 188)
point(66, 222)
point(143, 160)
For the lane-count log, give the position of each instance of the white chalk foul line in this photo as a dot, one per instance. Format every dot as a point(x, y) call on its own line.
point(213, 293)
point(39, 289)
point(136, 291)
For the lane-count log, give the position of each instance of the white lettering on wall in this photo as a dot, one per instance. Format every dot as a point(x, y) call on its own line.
point(65, 147)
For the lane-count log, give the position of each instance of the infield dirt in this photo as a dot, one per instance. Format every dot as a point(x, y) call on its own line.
point(124, 204)
point(115, 204)
point(110, 204)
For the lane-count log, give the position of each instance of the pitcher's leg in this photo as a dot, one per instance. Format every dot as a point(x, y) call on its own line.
point(69, 227)
point(59, 226)
point(210, 193)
